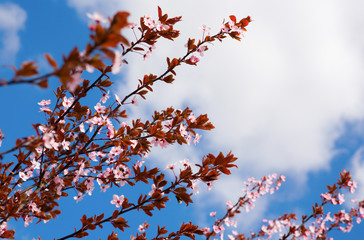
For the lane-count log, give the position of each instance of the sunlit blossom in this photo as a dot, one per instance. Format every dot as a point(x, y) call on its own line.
point(105, 96)
point(117, 200)
point(79, 197)
point(67, 102)
point(97, 17)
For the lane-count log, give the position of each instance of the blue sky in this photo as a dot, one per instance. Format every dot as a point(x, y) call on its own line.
point(287, 99)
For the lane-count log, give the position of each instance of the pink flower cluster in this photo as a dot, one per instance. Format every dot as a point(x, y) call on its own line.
point(319, 223)
point(154, 25)
point(28, 172)
point(268, 184)
point(253, 190)
point(232, 27)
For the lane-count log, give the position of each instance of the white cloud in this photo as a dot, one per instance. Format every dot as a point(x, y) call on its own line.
point(357, 171)
point(12, 19)
point(280, 98)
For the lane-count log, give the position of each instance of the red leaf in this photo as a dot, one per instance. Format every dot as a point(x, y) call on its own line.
point(51, 61)
point(159, 12)
point(27, 69)
point(115, 214)
point(233, 18)
point(43, 83)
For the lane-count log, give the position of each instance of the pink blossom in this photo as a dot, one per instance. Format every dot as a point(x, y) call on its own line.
point(148, 52)
point(65, 145)
point(104, 187)
point(96, 121)
point(45, 109)
point(194, 187)
point(282, 178)
point(168, 125)
point(188, 138)
point(160, 141)
point(231, 237)
point(117, 200)
point(185, 162)
point(197, 138)
point(132, 25)
point(97, 17)
point(224, 29)
point(119, 175)
point(115, 151)
point(27, 220)
point(82, 127)
point(134, 101)
point(161, 27)
point(42, 129)
point(117, 99)
point(59, 182)
point(67, 102)
point(139, 164)
point(92, 156)
point(143, 227)
point(206, 230)
point(230, 222)
point(229, 204)
point(74, 82)
point(89, 185)
point(205, 29)
point(201, 49)
point(326, 196)
point(134, 143)
point(111, 132)
point(44, 103)
point(147, 20)
point(171, 166)
point(89, 68)
point(35, 164)
point(154, 188)
point(212, 214)
point(23, 176)
point(79, 197)
point(33, 207)
point(341, 199)
point(352, 186)
point(100, 108)
point(146, 55)
point(30, 191)
point(209, 185)
point(194, 59)
point(218, 229)
point(100, 154)
point(105, 96)
point(192, 117)
point(49, 141)
point(116, 65)
point(163, 143)
point(182, 130)
point(3, 227)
